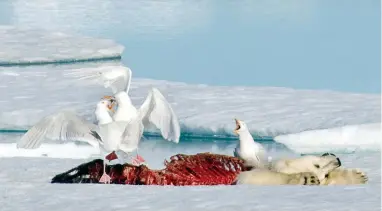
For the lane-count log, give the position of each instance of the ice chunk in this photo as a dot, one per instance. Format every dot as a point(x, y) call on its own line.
point(69, 150)
point(350, 138)
point(21, 46)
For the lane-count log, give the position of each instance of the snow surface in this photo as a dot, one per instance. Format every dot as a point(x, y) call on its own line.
point(25, 183)
point(354, 137)
point(30, 93)
point(25, 186)
point(69, 151)
point(26, 46)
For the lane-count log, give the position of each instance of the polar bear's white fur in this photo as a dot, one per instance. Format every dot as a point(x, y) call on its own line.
point(338, 176)
point(341, 176)
point(319, 165)
point(268, 177)
point(297, 170)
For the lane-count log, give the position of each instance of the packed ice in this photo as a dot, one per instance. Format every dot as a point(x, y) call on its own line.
point(24, 46)
point(30, 93)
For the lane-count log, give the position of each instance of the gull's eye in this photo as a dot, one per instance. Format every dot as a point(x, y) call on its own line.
point(317, 166)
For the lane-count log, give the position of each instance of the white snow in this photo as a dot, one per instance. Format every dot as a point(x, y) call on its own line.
point(29, 93)
point(25, 186)
point(22, 45)
point(38, 91)
point(354, 137)
point(65, 151)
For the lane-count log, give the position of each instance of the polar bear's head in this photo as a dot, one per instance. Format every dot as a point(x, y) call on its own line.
point(321, 165)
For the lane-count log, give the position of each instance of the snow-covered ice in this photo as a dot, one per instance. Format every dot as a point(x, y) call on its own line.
point(51, 150)
point(35, 46)
point(354, 137)
point(25, 186)
point(29, 93)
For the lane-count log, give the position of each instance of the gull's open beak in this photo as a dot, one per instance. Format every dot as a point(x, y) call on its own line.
point(110, 107)
point(237, 127)
point(112, 102)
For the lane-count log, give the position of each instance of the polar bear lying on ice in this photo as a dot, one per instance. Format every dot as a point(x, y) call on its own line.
point(305, 170)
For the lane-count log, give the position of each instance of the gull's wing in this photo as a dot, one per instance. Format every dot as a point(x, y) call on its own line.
point(118, 79)
point(259, 153)
point(132, 135)
point(110, 135)
point(65, 126)
point(262, 153)
point(157, 111)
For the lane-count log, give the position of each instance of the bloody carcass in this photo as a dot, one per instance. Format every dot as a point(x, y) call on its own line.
point(198, 169)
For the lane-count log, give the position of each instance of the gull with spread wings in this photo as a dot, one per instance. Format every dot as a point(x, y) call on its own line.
point(155, 111)
point(107, 135)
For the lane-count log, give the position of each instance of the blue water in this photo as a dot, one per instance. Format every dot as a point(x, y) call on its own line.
point(187, 140)
point(300, 44)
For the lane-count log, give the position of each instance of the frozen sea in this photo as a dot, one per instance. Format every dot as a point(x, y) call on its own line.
point(26, 187)
point(288, 122)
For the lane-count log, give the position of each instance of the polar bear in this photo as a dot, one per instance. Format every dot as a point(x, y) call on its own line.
point(268, 177)
point(319, 165)
point(306, 170)
point(325, 168)
point(338, 176)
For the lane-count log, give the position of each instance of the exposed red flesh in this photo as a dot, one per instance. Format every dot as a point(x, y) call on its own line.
point(199, 169)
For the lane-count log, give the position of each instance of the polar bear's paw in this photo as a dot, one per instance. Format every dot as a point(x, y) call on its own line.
point(310, 178)
point(346, 177)
point(360, 177)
